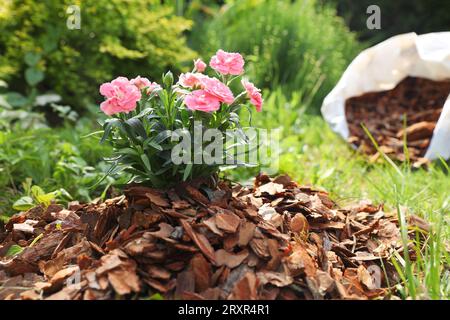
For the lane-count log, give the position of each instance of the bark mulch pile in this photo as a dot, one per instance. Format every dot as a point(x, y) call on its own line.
point(417, 101)
point(277, 240)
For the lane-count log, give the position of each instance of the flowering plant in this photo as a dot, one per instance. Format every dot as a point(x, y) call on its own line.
point(171, 132)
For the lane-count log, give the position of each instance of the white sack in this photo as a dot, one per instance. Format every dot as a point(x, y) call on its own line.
point(382, 67)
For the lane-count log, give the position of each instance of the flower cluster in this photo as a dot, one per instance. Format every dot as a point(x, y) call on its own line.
point(205, 93)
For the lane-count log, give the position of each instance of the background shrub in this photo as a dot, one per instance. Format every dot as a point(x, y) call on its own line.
point(299, 45)
point(116, 38)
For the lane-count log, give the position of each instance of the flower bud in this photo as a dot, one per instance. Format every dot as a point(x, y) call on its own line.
point(168, 79)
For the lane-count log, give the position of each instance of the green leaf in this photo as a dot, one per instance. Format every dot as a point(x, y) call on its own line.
point(48, 98)
point(151, 142)
point(35, 240)
point(63, 192)
point(13, 250)
point(26, 185)
point(152, 116)
point(187, 171)
point(4, 103)
point(23, 204)
point(146, 162)
point(41, 197)
point(156, 296)
point(107, 174)
point(136, 172)
point(128, 151)
point(185, 117)
point(33, 76)
point(36, 191)
point(155, 145)
point(162, 170)
point(129, 132)
point(32, 58)
point(160, 137)
point(168, 80)
point(113, 46)
point(144, 112)
point(137, 127)
point(50, 41)
point(46, 199)
point(16, 99)
point(107, 127)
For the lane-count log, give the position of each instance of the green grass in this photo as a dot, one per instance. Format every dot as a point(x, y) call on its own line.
point(312, 154)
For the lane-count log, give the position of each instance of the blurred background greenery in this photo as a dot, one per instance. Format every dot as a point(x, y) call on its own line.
point(294, 50)
point(116, 37)
point(50, 74)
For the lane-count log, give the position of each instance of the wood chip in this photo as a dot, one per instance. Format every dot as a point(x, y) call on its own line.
point(228, 222)
point(230, 260)
point(200, 240)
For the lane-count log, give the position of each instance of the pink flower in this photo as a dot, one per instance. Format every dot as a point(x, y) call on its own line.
point(199, 65)
point(227, 63)
point(216, 88)
point(152, 87)
point(190, 80)
point(202, 101)
point(141, 83)
point(254, 94)
point(121, 96)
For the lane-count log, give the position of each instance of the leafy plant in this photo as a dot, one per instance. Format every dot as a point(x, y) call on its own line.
point(34, 196)
point(27, 110)
point(146, 134)
point(53, 158)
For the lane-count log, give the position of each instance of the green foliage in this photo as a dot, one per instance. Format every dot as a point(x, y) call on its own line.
point(27, 112)
point(53, 159)
point(13, 250)
point(38, 49)
point(297, 45)
point(34, 196)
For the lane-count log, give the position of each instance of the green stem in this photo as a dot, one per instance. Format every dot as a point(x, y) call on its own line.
point(11, 180)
